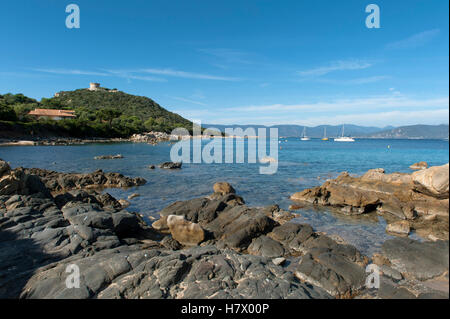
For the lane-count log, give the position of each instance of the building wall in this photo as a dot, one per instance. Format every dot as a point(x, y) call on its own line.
point(94, 86)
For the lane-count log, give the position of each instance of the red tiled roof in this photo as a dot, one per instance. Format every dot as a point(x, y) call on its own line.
point(54, 113)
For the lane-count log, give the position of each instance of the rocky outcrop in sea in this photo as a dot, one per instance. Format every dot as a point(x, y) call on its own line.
point(107, 157)
point(153, 137)
point(211, 247)
point(59, 182)
point(419, 201)
point(170, 165)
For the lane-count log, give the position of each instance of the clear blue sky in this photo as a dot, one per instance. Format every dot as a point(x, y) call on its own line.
point(240, 62)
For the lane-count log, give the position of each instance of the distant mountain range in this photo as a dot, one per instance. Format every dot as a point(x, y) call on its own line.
point(414, 132)
point(407, 132)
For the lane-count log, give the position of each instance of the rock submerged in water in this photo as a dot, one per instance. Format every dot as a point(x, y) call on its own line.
point(105, 157)
point(400, 228)
point(267, 159)
point(295, 207)
point(134, 195)
point(170, 165)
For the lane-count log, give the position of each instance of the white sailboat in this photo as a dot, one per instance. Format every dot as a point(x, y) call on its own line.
point(344, 138)
point(304, 137)
point(325, 138)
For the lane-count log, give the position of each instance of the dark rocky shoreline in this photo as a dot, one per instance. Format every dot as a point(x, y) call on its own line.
point(58, 141)
point(152, 138)
point(212, 247)
point(59, 182)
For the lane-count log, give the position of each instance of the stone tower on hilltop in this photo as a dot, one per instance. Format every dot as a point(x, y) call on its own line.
point(94, 86)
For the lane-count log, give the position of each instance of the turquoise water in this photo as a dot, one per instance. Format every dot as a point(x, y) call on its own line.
point(302, 164)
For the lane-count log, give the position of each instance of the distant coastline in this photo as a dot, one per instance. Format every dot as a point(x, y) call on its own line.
point(418, 131)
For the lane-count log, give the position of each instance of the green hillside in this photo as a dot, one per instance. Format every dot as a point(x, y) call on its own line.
point(150, 113)
point(102, 113)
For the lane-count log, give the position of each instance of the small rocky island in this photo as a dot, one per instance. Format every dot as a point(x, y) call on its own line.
point(211, 247)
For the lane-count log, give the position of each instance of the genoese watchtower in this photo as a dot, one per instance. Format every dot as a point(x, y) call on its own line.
point(94, 86)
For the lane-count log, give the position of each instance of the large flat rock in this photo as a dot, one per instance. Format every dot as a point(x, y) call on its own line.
point(421, 260)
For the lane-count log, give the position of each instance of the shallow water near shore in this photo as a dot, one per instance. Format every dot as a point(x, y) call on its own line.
point(302, 164)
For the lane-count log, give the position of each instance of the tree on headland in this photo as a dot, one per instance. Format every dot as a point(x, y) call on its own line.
point(13, 99)
point(7, 113)
point(50, 103)
point(108, 115)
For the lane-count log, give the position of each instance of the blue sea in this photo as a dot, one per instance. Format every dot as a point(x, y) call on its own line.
point(302, 164)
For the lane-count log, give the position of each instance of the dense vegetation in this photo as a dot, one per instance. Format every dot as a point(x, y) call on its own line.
point(102, 113)
point(14, 106)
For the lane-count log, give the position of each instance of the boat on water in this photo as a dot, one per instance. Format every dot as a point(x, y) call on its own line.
point(304, 137)
point(325, 138)
point(344, 138)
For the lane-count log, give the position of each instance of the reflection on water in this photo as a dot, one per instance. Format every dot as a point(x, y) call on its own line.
point(301, 165)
